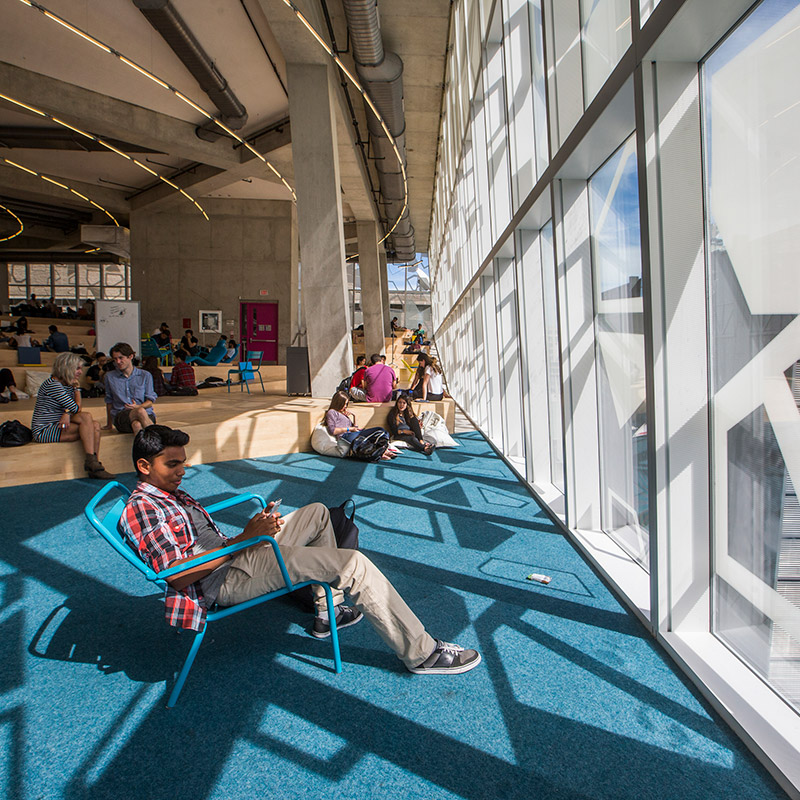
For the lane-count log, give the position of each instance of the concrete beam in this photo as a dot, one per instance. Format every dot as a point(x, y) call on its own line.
point(203, 179)
point(109, 117)
point(28, 187)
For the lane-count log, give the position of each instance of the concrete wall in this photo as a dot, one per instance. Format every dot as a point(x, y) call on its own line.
point(180, 263)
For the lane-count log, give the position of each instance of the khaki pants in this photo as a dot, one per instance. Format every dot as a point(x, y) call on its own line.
point(309, 550)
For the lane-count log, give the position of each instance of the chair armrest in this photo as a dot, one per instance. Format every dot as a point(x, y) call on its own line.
point(93, 503)
point(235, 500)
point(212, 555)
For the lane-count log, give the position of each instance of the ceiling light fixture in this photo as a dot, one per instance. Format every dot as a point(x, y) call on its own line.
point(140, 69)
point(367, 99)
point(21, 226)
point(63, 186)
point(105, 144)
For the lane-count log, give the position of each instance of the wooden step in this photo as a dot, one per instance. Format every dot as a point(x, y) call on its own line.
point(223, 426)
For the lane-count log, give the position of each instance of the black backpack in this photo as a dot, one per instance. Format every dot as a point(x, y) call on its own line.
point(346, 532)
point(370, 444)
point(14, 434)
point(344, 386)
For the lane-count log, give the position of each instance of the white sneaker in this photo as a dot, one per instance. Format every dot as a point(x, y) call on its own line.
point(22, 395)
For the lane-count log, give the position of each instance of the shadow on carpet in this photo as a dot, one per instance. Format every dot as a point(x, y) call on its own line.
point(573, 698)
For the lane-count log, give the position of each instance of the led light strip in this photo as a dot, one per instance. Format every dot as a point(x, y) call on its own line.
point(21, 226)
point(105, 144)
point(63, 186)
point(360, 89)
point(140, 69)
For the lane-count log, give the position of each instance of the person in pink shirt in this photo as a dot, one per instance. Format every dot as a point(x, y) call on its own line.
point(379, 381)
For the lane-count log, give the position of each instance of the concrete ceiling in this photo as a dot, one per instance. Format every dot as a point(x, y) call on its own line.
point(47, 67)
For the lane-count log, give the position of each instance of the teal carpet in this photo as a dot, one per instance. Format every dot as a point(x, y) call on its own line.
point(573, 698)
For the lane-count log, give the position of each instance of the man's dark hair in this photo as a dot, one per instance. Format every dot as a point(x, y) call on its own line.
point(180, 354)
point(154, 439)
point(375, 358)
point(123, 348)
point(52, 328)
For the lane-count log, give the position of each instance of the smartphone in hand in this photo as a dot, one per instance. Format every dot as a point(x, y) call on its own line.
point(276, 505)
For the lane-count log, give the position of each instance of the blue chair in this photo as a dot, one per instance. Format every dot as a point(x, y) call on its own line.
point(213, 358)
point(247, 370)
point(107, 527)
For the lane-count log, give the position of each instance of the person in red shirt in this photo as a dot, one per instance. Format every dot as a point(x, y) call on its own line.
point(356, 382)
point(182, 380)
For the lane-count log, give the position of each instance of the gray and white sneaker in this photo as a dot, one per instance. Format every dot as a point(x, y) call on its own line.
point(345, 617)
point(447, 659)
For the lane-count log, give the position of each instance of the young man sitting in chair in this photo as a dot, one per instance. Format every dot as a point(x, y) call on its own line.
point(167, 527)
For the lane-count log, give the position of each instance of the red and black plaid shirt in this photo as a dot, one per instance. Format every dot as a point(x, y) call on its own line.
point(161, 530)
point(182, 375)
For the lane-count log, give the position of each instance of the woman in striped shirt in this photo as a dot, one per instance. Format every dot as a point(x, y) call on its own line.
point(57, 416)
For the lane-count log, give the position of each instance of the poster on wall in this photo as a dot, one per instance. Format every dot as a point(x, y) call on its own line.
point(117, 321)
point(210, 321)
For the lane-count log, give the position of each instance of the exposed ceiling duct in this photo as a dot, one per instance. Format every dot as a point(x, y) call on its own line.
point(381, 74)
point(164, 17)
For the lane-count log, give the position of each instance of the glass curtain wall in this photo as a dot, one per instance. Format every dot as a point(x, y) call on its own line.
point(619, 341)
point(615, 303)
point(605, 36)
point(751, 116)
point(541, 373)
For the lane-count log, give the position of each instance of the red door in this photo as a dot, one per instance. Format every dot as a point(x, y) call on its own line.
point(259, 328)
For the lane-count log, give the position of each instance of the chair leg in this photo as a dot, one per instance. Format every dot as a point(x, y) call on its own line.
point(262, 383)
point(337, 658)
point(187, 665)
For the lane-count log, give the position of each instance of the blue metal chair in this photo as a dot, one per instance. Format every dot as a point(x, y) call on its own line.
point(247, 370)
point(107, 527)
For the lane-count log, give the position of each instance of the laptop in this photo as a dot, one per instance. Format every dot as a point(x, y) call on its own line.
point(29, 356)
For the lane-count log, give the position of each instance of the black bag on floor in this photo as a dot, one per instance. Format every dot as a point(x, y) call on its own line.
point(370, 444)
point(14, 434)
point(346, 532)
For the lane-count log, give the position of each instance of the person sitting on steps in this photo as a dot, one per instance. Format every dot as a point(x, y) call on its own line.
point(404, 425)
point(57, 416)
point(129, 393)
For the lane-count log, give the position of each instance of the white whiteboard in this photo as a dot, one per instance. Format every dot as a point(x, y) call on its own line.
point(117, 321)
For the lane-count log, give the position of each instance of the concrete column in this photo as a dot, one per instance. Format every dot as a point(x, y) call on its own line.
point(384, 276)
point(296, 315)
point(371, 302)
point(319, 218)
point(4, 301)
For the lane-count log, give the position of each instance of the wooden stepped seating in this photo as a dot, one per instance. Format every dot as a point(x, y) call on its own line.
point(222, 427)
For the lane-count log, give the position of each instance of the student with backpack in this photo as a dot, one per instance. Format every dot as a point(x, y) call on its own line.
point(370, 444)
